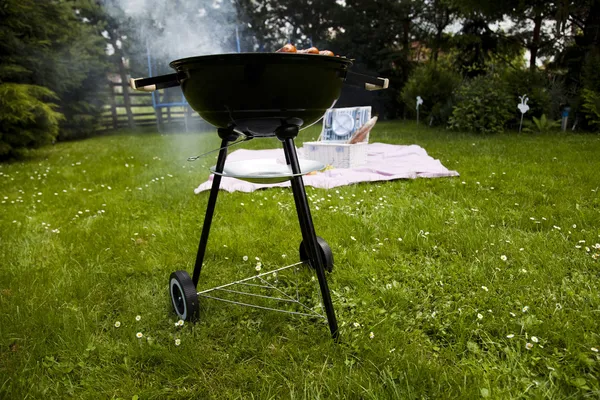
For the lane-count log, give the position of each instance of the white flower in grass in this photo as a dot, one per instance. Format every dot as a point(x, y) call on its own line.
point(597, 246)
point(177, 342)
point(503, 257)
point(139, 335)
point(138, 317)
point(479, 316)
point(529, 346)
point(574, 226)
point(371, 335)
point(356, 324)
point(535, 339)
point(257, 259)
point(594, 349)
point(180, 322)
point(577, 246)
point(388, 286)
point(283, 255)
point(258, 267)
point(352, 237)
point(587, 249)
point(525, 309)
point(245, 258)
point(117, 324)
point(510, 336)
point(485, 288)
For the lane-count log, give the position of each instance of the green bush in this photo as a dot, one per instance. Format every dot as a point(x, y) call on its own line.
point(537, 87)
point(540, 125)
point(436, 85)
point(484, 105)
point(591, 107)
point(27, 119)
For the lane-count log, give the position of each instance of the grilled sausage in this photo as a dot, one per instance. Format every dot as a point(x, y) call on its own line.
point(326, 53)
point(312, 50)
point(288, 48)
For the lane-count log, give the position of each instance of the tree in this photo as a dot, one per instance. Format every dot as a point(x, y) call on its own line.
point(437, 16)
point(48, 59)
point(272, 23)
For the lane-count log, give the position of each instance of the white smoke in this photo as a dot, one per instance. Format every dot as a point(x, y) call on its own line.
point(182, 28)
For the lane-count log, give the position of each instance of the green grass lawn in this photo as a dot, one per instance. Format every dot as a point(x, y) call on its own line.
point(485, 285)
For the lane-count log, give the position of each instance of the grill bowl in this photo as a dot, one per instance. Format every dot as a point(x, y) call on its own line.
point(257, 92)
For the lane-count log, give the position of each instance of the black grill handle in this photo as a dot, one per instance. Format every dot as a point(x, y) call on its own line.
point(154, 83)
point(366, 82)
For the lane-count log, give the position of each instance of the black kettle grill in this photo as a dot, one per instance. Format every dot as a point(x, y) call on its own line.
point(260, 95)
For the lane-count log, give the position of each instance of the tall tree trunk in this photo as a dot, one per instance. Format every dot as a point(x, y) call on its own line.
point(535, 41)
point(125, 86)
point(406, 39)
point(436, 45)
point(591, 32)
point(124, 81)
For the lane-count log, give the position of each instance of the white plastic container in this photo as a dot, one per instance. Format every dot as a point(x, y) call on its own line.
point(338, 155)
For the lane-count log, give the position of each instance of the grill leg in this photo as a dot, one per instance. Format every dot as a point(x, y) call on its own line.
point(286, 135)
point(226, 137)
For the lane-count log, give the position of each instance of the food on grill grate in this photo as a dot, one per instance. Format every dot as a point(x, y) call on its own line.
point(312, 50)
point(290, 48)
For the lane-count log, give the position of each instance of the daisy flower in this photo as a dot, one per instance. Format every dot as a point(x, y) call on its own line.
point(139, 335)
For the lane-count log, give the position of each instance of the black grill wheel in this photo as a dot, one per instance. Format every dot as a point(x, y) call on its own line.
point(184, 296)
point(326, 254)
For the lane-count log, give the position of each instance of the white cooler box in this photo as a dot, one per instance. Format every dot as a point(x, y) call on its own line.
point(338, 155)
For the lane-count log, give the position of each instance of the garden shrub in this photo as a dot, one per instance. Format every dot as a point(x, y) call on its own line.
point(27, 118)
point(436, 85)
point(537, 87)
point(484, 105)
point(591, 107)
point(540, 125)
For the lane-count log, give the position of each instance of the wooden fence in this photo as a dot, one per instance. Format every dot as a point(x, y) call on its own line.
point(128, 109)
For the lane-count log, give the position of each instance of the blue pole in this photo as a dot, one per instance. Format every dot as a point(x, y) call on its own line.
point(237, 38)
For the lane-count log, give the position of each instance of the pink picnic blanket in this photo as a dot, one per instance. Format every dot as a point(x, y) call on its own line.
point(385, 162)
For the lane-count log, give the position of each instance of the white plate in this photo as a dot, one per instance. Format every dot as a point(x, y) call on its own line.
point(342, 124)
point(266, 170)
